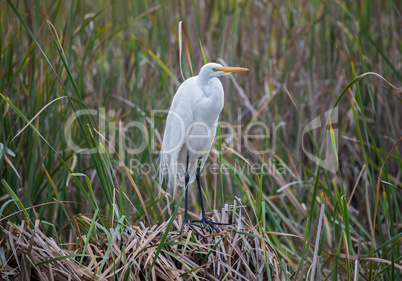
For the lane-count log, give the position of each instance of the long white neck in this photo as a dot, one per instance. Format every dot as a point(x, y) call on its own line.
point(203, 80)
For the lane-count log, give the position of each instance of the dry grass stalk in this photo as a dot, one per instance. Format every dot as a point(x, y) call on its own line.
point(24, 251)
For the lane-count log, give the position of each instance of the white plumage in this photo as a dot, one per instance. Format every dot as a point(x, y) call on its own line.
point(191, 124)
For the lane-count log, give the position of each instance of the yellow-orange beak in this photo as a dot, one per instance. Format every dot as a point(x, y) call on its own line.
point(228, 69)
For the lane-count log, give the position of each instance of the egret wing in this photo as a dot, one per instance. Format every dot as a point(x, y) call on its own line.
point(179, 118)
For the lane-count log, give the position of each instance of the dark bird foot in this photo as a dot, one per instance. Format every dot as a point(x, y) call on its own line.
point(207, 224)
point(191, 225)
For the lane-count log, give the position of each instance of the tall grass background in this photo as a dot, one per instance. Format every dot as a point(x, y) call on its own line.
point(305, 58)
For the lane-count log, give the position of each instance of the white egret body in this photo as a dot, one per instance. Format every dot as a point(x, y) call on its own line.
point(191, 127)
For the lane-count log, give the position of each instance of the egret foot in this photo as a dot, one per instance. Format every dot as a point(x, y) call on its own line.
point(205, 221)
point(191, 226)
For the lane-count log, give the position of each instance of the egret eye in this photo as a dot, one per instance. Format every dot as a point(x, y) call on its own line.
point(214, 69)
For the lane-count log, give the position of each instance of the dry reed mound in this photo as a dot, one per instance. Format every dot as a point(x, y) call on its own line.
point(26, 253)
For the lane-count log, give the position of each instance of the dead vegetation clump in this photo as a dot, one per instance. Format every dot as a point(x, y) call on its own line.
point(237, 253)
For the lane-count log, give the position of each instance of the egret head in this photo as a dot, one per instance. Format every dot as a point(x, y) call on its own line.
point(215, 69)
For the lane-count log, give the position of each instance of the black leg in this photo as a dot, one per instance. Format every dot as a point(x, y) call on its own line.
point(186, 221)
point(204, 220)
point(186, 180)
point(198, 178)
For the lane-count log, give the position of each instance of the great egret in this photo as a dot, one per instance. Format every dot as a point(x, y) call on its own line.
point(189, 133)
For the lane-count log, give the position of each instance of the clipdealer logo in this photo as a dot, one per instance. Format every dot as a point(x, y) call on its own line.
point(330, 146)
